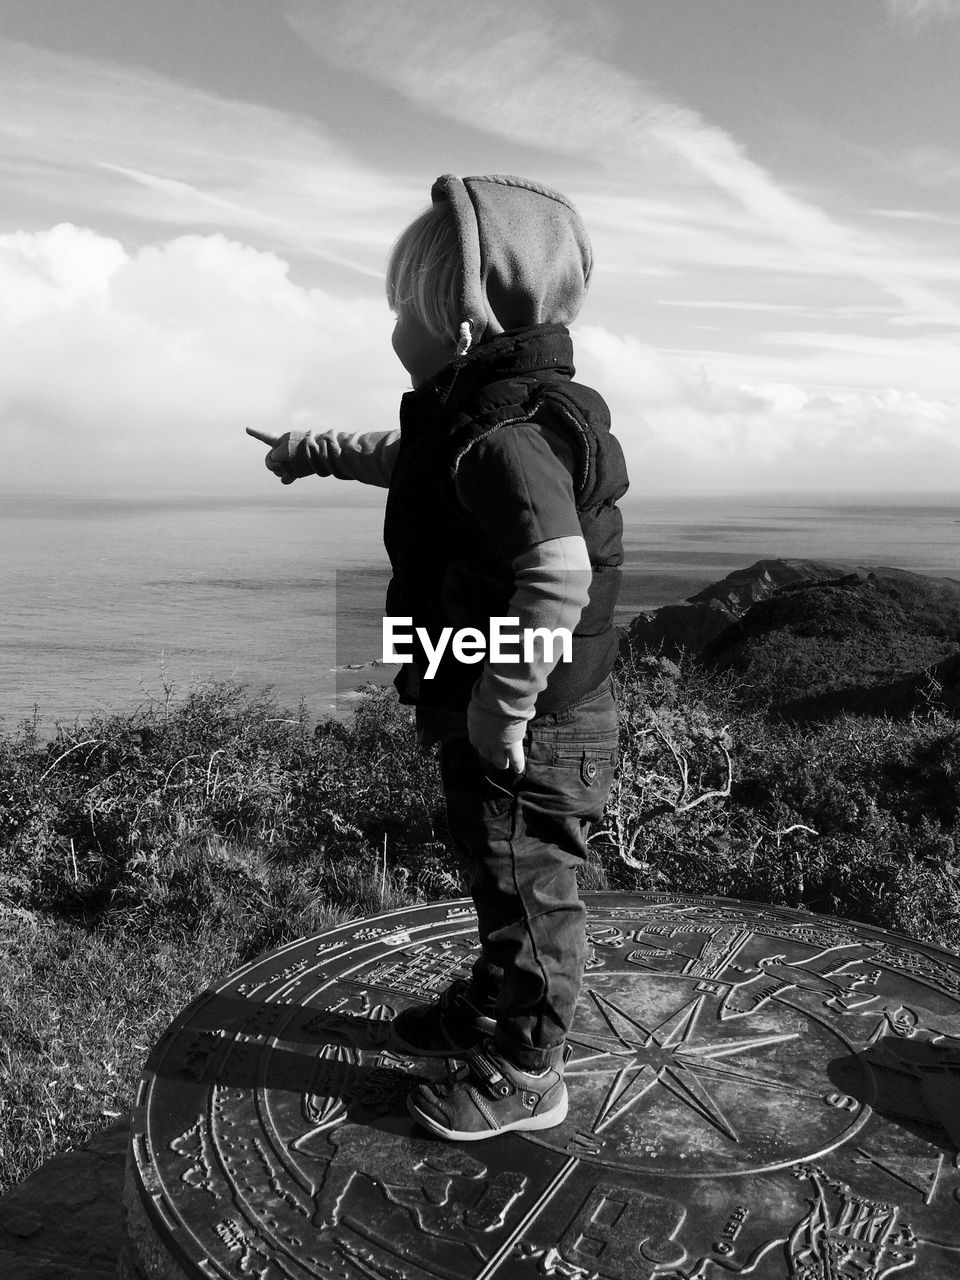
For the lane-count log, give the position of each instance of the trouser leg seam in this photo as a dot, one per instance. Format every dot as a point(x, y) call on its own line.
point(526, 918)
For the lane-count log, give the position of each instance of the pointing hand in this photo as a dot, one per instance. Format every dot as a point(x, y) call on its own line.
point(279, 458)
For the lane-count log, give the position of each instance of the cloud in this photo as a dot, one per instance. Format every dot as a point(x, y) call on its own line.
point(930, 166)
point(684, 427)
point(142, 369)
point(563, 101)
point(138, 370)
point(923, 11)
point(126, 142)
point(730, 304)
point(569, 101)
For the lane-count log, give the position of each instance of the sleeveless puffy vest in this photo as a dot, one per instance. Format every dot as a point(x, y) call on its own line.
point(447, 572)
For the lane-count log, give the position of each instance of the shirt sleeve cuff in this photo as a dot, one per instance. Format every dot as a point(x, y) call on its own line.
point(552, 587)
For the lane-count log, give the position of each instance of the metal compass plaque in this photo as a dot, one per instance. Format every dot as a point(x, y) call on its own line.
point(754, 1091)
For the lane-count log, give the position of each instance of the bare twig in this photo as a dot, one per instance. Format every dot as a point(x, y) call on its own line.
point(720, 793)
point(90, 742)
point(218, 752)
point(176, 765)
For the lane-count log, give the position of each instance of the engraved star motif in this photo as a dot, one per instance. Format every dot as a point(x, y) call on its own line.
point(667, 1055)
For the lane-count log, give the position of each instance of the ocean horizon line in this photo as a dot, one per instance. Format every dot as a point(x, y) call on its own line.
point(99, 594)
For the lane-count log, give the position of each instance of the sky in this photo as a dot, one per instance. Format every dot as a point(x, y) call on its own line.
point(197, 199)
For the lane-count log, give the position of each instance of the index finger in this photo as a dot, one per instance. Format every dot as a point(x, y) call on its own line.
point(265, 436)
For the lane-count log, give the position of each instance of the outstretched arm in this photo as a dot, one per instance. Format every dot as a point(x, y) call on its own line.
point(367, 456)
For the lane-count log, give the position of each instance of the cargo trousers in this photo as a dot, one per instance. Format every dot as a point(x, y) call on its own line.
point(523, 841)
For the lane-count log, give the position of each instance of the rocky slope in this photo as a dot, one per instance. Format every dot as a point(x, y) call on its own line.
point(808, 639)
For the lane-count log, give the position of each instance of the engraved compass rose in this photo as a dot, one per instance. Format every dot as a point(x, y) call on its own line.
point(669, 1055)
point(753, 1091)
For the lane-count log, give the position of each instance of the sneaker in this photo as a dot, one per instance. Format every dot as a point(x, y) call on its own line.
point(448, 1026)
point(488, 1095)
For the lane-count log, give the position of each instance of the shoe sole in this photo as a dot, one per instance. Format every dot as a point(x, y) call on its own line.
point(526, 1124)
point(396, 1041)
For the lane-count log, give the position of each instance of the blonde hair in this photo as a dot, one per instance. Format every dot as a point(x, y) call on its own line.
point(423, 272)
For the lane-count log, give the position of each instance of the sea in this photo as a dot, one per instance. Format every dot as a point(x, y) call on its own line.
point(107, 604)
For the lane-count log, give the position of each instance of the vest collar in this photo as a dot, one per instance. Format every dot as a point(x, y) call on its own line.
point(536, 349)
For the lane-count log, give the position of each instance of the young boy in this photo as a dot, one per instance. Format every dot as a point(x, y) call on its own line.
point(503, 481)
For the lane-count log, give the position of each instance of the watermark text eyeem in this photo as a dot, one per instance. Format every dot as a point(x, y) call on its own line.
point(508, 643)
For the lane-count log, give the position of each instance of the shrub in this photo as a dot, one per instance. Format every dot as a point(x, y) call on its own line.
point(142, 854)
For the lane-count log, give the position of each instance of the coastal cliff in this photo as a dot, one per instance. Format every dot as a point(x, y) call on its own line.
point(808, 639)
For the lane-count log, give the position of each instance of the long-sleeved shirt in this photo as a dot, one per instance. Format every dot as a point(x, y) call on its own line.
point(519, 486)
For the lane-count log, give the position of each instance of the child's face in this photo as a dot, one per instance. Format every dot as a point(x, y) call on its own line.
point(420, 353)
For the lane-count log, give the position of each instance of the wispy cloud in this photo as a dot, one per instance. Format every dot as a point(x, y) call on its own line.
point(191, 200)
point(918, 215)
point(923, 11)
point(729, 304)
point(122, 141)
point(930, 166)
point(562, 101)
point(569, 101)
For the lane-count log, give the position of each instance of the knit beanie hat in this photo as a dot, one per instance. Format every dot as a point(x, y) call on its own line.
point(525, 252)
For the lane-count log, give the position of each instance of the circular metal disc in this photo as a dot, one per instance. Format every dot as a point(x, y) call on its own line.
point(753, 1091)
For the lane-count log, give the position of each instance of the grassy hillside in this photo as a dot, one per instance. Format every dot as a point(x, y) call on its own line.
point(840, 639)
point(142, 855)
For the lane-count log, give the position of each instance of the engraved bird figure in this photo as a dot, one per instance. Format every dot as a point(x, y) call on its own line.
point(824, 974)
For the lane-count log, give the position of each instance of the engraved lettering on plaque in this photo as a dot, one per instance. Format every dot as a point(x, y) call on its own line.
point(460, 913)
point(276, 979)
point(249, 988)
point(730, 1231)
point(232, 1234)
point(842, 1101)
point(923, 967)
point(366, 1262)
point(327, 948)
